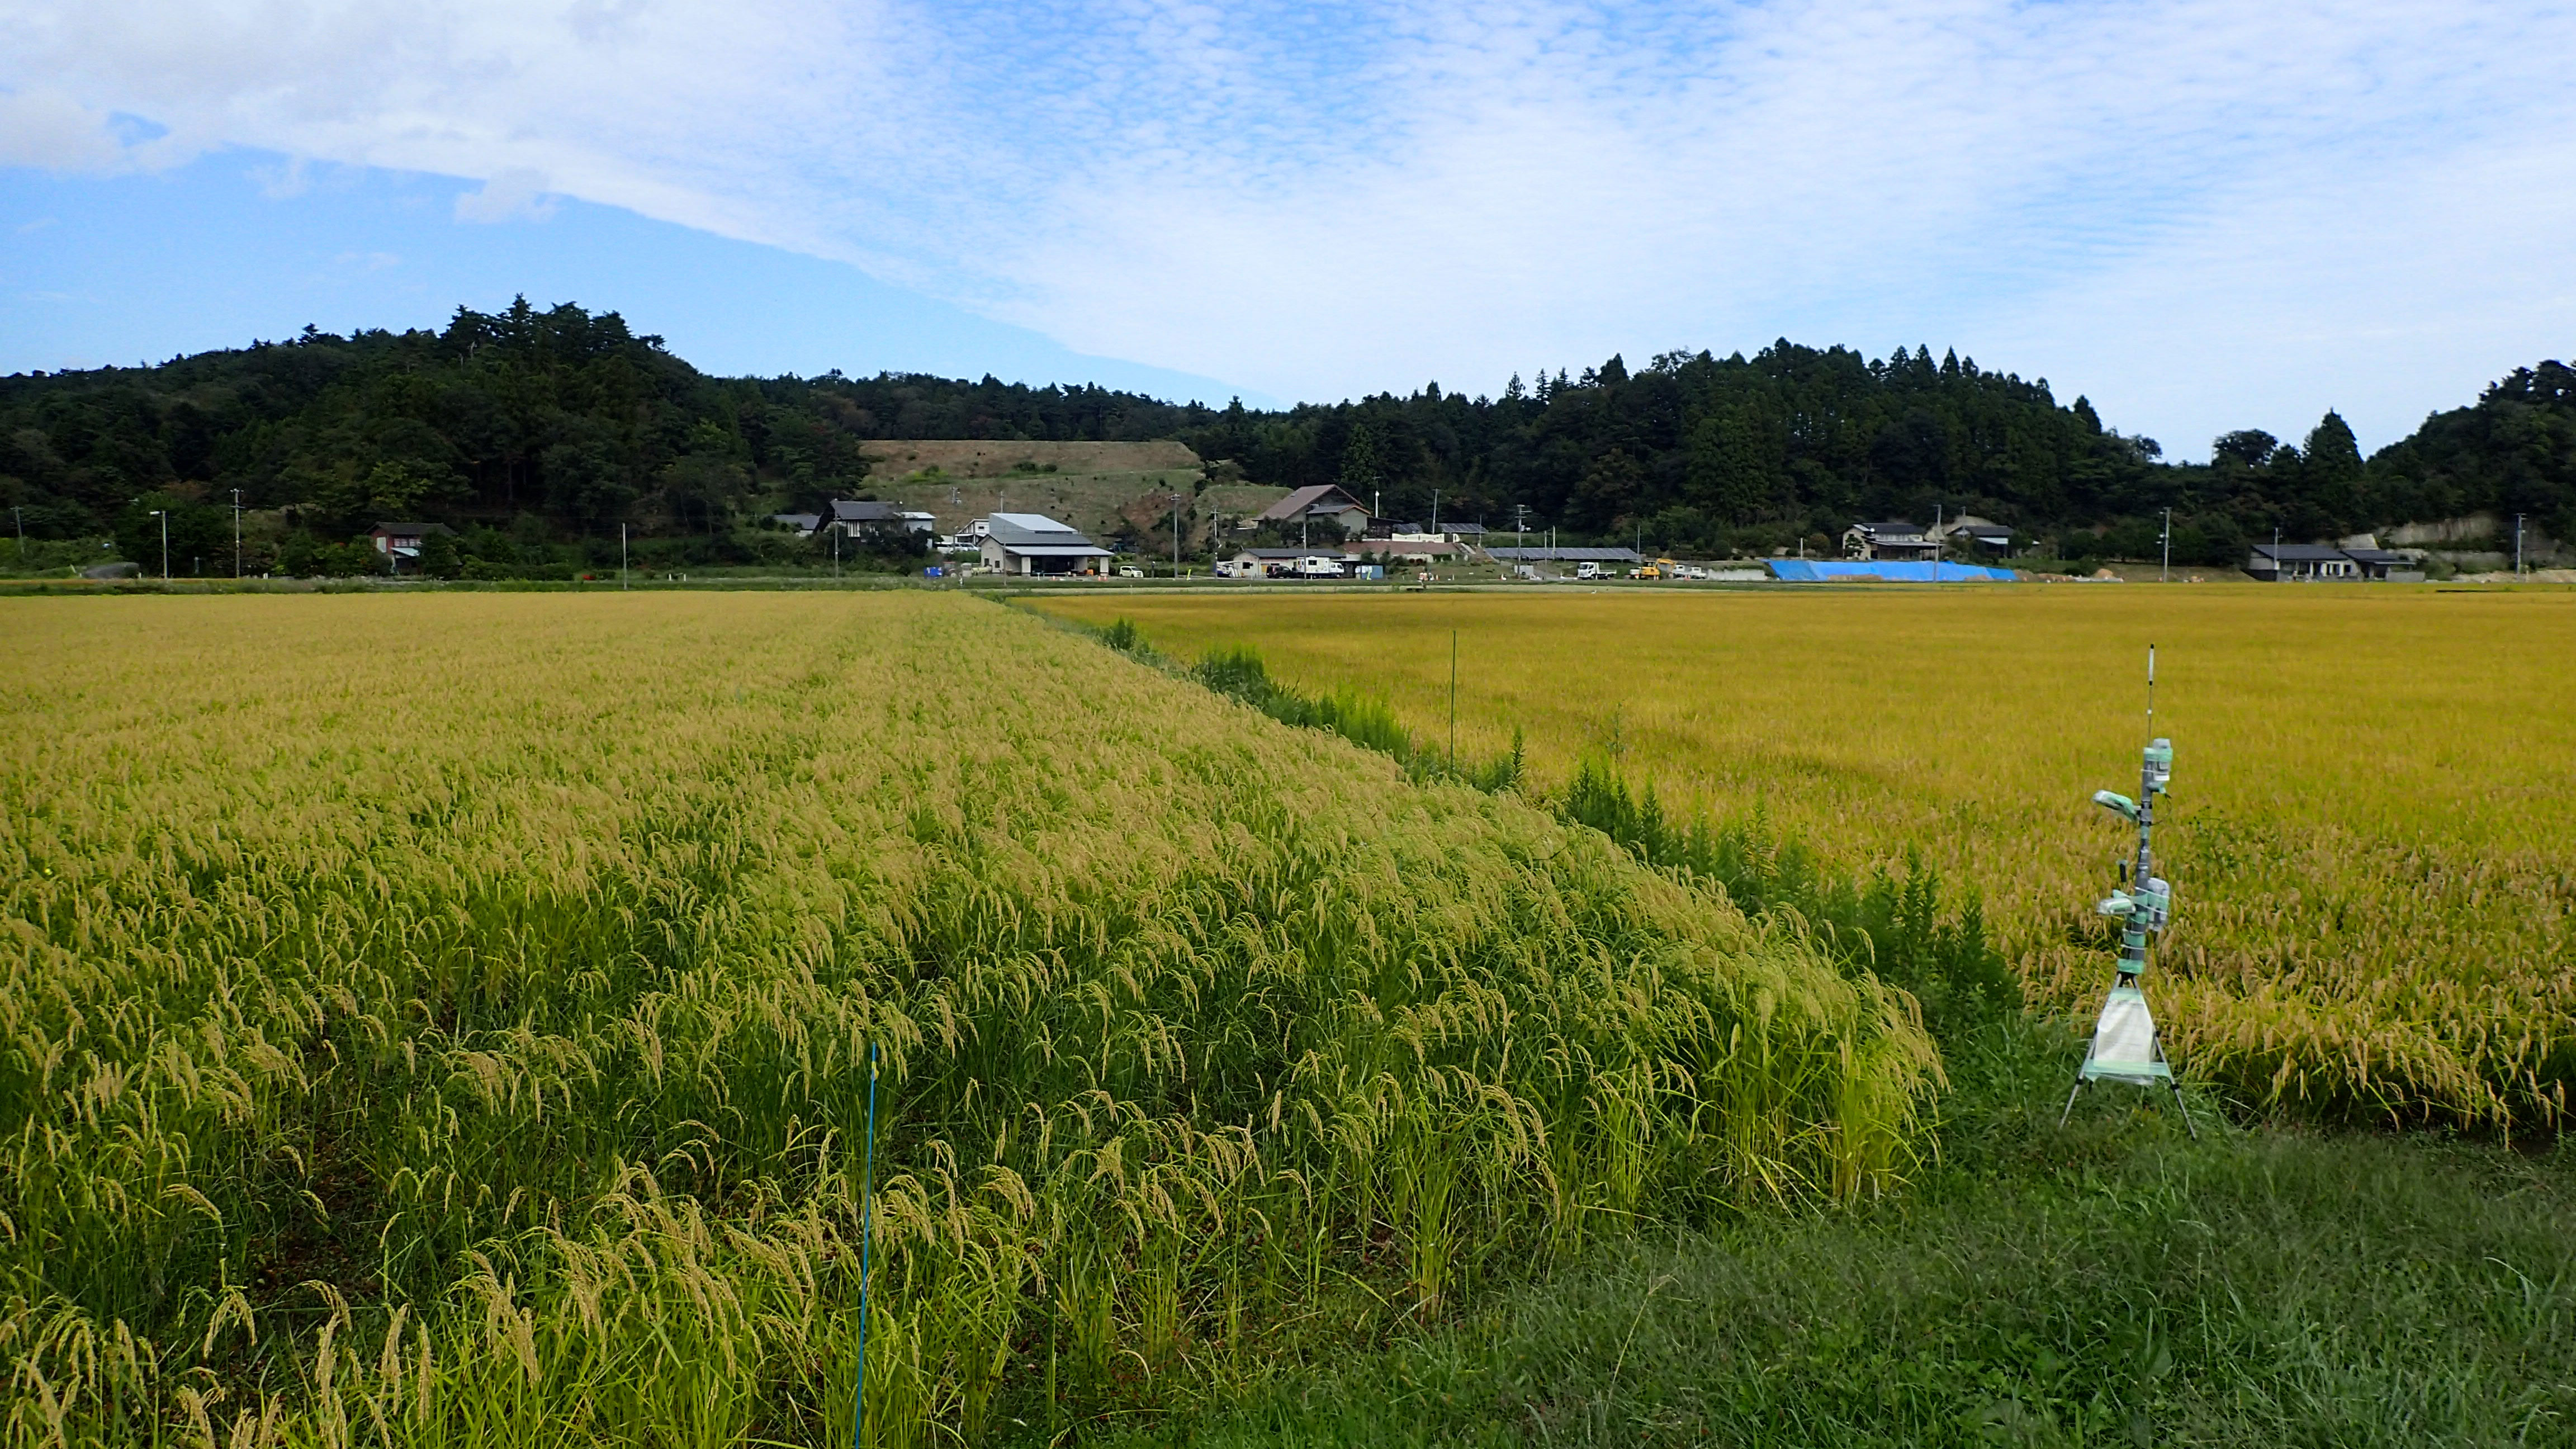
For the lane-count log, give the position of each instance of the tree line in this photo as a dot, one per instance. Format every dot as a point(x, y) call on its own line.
point(537, 433)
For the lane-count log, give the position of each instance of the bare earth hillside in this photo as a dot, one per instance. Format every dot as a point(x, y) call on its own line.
point(993, 458)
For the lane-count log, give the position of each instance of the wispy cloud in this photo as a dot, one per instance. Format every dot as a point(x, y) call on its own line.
point(2204, 213)
point(517, 194)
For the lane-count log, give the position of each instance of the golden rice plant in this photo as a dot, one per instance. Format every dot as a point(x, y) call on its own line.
point(2368, 835)
point(446, 1020)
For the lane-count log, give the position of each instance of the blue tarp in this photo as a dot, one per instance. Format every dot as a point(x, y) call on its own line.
point(1816, 571)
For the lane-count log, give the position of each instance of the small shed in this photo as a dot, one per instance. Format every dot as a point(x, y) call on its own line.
point(2386, 566)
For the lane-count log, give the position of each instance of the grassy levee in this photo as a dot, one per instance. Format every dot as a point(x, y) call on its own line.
point(443, 1020)
point(2109, 1283)
point(2367, 833)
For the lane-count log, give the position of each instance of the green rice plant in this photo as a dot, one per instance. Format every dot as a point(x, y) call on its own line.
point(431, 1021)
point(2366, 833)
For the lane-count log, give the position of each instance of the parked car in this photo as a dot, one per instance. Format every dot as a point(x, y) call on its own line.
point(1130, 571)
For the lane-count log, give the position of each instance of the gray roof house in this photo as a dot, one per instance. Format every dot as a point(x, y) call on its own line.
point(2310, 563)
point(1032, 544)
point(1897, 539)
point(2300, 562)
point(856, 516)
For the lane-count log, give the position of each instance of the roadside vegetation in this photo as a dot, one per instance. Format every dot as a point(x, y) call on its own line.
point(2110, 1282)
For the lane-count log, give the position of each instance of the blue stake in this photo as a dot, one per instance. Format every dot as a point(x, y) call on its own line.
point(867, 1206)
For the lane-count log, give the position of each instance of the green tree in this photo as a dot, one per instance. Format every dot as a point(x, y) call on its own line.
point(200, 536)
point(440, 558)
point(2332, 472)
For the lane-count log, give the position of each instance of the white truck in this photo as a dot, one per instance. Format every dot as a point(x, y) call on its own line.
point(1317, 566)
point(1588, 570)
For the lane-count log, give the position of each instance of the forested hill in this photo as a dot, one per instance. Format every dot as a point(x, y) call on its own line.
point(565, 423)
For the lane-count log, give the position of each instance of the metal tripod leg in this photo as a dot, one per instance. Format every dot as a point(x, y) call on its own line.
point(2070, 1100)
point(2175, 1082)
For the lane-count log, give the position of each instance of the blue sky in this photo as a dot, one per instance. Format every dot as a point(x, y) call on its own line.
point(2203, 215)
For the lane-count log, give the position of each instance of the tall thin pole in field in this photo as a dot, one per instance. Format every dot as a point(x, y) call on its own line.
point(867, 1226)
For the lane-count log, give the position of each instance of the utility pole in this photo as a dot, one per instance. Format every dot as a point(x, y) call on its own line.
point(1936, 543)
point(2517, 545)
point(20, 514)
point(2164, 575)
point(1435, 510)
point(1176, 535)
point(2276, 553)
point(164, 515)
point(236, 533)
point(621, 555)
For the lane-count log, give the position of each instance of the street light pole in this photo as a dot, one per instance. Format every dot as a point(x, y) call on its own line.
point(164, 515)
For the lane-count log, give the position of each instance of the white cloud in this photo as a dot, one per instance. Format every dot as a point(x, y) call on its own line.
point(2203, 213)
point(514, 195)
point(46, 128)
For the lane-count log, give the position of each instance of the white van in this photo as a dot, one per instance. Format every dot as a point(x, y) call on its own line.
point(1316, 566)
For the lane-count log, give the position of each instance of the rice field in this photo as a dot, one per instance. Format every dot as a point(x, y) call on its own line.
point(446, 1020)
point(2369, 834)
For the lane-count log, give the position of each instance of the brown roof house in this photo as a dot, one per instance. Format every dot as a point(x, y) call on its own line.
point(1321, 503)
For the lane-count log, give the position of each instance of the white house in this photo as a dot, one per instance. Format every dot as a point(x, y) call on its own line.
point(1032, 543)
